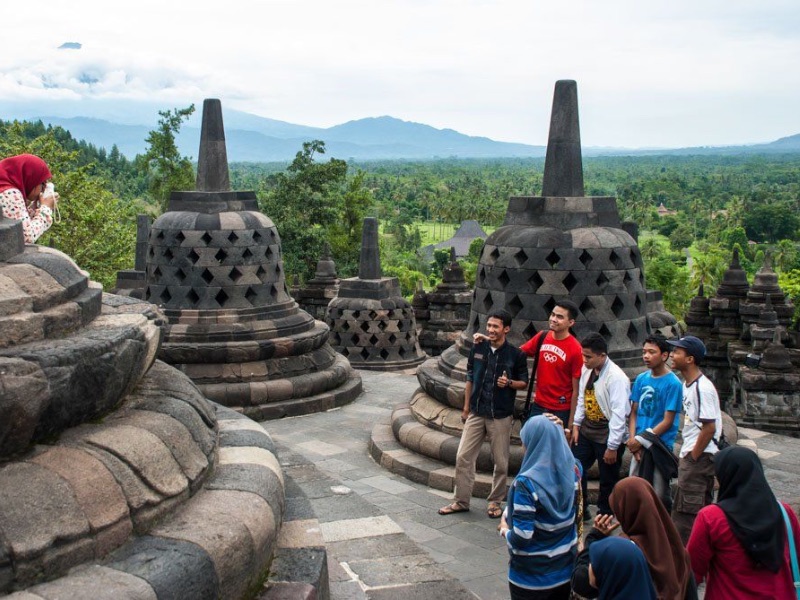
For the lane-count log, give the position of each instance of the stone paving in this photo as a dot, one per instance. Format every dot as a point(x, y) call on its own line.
point(383, 535)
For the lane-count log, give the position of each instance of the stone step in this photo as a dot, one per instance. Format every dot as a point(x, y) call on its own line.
point(369, 555)
point(390, 454)
point(295, 404)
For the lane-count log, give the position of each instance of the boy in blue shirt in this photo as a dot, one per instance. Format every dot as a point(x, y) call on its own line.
point(657, 399)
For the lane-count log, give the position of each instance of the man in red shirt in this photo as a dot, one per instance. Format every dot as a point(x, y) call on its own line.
point(559, 367)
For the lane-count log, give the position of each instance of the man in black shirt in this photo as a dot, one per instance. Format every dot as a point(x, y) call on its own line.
point(495, 371)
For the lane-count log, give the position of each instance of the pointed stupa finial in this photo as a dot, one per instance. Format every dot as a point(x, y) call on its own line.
point(701, 290)
point(735, 261)
point(212, 161)
point(369, 266)
point(452, 254)
point(767, 266)
point(563, 165)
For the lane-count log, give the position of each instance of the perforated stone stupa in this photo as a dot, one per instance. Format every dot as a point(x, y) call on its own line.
point(371, 323)
point(445, 310)
point(215, 267)
point(118, 479)
point(315, 296)
point(560, 245)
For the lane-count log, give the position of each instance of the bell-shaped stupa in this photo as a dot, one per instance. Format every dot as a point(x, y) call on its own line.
point(560, 245)
point(118, 479)
point(315, 296)
point(215, 267)
point(371, 323)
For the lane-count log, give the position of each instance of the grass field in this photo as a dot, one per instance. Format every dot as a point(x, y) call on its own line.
point(433, 233)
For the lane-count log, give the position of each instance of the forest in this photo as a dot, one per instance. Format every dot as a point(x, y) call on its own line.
point(714, 205)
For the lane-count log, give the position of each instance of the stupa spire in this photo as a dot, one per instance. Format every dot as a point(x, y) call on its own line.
point(563, 165)
point(369, 266)
point(212, 161)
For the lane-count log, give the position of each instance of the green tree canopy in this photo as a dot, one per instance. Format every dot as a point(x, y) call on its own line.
point(97, 229)
point(167, 171)
point(313, 202)
point(771, 222)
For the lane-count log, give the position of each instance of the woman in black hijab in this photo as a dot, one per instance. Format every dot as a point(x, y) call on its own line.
point(619, 570)
point(739, 545)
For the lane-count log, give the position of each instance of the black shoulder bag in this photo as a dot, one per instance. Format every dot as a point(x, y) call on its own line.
point(721, 442)
point(526, 412)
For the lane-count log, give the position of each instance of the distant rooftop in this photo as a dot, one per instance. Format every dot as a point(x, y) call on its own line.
point(461, 240)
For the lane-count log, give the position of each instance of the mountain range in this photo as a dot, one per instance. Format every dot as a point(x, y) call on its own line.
point(251, 138)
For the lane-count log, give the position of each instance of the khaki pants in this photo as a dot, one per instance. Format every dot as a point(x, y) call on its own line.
point(695, 490)
point(476, 429)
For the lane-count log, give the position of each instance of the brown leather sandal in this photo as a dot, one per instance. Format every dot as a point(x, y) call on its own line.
point(452, 509)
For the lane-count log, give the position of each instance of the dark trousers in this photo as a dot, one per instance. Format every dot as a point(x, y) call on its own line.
point(588, 452)
point(557, 593)
point(536, 410)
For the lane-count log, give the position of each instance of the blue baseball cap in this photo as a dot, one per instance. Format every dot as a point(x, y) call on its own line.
point(694, 346)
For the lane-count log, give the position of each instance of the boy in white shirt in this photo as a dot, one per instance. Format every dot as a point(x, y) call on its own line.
point(702, 426)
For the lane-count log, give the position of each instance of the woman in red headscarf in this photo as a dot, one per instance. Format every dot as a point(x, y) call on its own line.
point(23, 179)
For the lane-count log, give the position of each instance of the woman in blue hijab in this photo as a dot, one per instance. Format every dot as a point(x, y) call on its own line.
point(619, 570)
point(539, 522)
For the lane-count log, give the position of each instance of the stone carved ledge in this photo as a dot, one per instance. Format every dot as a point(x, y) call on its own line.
point(216, 544)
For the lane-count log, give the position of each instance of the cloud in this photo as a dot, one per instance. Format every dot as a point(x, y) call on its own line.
point(649, 74)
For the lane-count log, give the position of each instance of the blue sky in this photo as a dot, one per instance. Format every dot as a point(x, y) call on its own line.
point(650, 74)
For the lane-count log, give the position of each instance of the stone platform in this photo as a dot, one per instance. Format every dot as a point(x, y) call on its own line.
point(464, 546)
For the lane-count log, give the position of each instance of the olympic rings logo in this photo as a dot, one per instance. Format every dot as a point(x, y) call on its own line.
point(551, 358)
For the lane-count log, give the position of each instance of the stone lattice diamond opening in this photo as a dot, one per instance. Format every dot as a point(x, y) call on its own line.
point(515, 305)
point(570, 281)
point(487, 301)
point(553, 258)
point(535, 281)
point(633, 333)
point(585, 258)
point(616, 260)
point(221, 298)
point(504, 279)
point(617, 306)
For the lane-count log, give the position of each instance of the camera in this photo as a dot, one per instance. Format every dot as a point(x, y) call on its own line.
point(49, 189)
point(752, 360)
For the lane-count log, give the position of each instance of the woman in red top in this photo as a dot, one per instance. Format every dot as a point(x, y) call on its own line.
point(739, 545)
